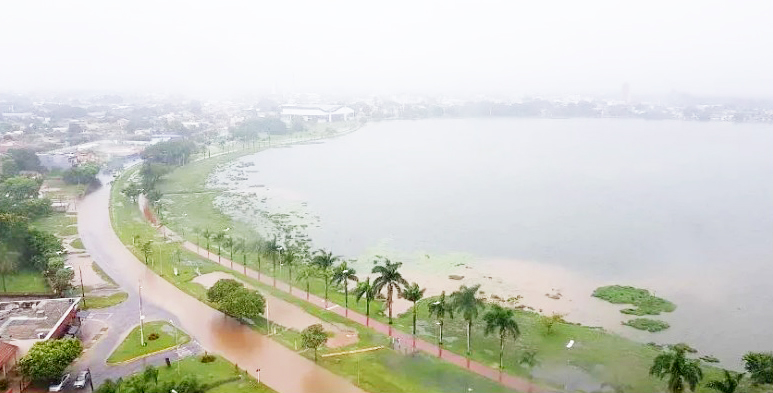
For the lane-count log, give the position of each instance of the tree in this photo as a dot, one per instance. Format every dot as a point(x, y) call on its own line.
point(223, 288)
point(243, 303)
point(132, 191)
point(465, 301)
point(9, 261)
point(365, 289)
point(219, 238)
point(342, 274)
point(82, 174)
point(20, 187)
point(413, 293)
point(25, 159)
point(760, 366)
point(679, 370)
point(728, 385)
point(324, 260)
point(206, 234)
point(274, 251)
point(147, 249)
point(172, 152)
point(62, 281)
point(550, 321)
point(529, 360)
point(439, 309)
point(305, 274)
point(314, 337)
point(47, 360)
point(389, 278)
point(503, 320)
point(228, 242)
point(288, 258)
point(150, 374)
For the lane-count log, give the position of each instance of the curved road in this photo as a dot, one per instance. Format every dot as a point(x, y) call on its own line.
point(281, 368)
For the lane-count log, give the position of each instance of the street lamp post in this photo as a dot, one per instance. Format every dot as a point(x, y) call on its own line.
point(142, 317)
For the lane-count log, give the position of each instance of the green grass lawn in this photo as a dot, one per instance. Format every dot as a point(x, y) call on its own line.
point(213, 373)
point(130, 347)
point(58, 223)
point(93, 302)
point(646, 303)
point(26, 281)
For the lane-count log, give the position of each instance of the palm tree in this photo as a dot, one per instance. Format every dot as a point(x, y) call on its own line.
point(729, 385)
point(288, 258)
point(466, 302)
point(197, 231)
point(502, 319)
point(206, 234)
point(529, 359)
point(390, 278)
point(219, 238)
point(241, 246)
point(274, 250)
point(679, 369)
point(258, 246)
point(413, 293)
point(365, 288)
point(306, 273)
point(324, 260)
point(342, 274)
point(228, 242)
point(8, 262)
point(439, 309)
point(147, 249)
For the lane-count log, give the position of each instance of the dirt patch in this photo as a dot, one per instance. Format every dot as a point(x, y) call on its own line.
point(287, 314)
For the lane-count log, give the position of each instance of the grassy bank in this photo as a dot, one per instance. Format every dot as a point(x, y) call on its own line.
point(383, 371)
point(92, 302)
point(646, 303)
point(164, 333)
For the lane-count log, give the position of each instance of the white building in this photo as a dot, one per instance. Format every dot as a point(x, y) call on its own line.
point(321, 113)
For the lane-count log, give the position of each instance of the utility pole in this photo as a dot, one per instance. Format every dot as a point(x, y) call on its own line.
point(83, 292)
point(142, 317)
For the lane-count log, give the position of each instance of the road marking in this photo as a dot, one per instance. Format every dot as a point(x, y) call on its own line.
point(104, 316)
point(331, 307)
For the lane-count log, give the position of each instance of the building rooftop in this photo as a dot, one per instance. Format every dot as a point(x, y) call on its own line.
point(33, 319)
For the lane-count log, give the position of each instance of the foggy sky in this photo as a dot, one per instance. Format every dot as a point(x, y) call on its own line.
point(520, 47)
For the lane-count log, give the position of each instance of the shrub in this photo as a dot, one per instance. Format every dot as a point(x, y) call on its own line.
point(207, 358)
point(645, 303)
point(153, 336)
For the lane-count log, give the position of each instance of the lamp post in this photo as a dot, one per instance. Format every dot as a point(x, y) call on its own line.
point(142, 317)
point(346, 290)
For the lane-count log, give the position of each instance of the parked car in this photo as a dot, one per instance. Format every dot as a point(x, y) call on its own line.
point(61, 385)
point(81, 380)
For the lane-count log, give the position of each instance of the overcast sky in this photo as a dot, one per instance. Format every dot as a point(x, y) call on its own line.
point(521, 47)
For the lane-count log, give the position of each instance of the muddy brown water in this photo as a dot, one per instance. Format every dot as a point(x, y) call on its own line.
point(281, 368)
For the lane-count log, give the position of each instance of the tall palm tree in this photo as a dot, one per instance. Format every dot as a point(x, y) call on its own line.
point(390, 278)
point(241, 246)
point(469, 305)
point(502, 319)
point(679, 369)
point(728, 385)
point(8, 262)
point(306, 273)
point(228, 242)
point(219, 237)
point(325, 260)
point(365, 289)
point(206, 234)
point(274, 251)
point(197, 231)
point(342, 274)
point(413, 293)
point(289, 258)
point(439, 309)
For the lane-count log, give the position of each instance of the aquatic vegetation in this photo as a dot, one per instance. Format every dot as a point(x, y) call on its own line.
point(650, 325)
point(646, 303)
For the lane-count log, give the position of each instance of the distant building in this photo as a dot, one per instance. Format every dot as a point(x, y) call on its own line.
point(25, 322)
point(57, 160)
point(320, 113)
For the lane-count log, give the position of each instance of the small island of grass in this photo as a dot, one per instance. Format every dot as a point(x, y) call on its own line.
point(163, 337)
point(650, 325)
point(646, 303)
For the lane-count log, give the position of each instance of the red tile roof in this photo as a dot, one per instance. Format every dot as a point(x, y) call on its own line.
point(7, 351)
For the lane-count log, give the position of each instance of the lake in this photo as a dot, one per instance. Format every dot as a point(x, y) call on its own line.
point(537, 206)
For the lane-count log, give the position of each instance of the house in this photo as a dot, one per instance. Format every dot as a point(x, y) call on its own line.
point(25, 322)
point(8, 357)
point(320, 113)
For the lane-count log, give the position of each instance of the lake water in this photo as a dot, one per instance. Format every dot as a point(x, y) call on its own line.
point(531, 206)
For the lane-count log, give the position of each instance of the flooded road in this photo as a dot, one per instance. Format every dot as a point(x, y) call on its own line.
point(281, 368)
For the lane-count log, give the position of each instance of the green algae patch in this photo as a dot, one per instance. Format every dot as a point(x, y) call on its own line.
point(646, 303)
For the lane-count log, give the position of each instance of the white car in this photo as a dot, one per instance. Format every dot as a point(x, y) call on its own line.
point(60, 386)
point(81, 379)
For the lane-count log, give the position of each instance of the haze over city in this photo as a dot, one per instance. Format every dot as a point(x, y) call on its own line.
point(557, 47)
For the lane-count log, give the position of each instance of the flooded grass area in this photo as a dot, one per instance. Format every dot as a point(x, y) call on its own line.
point(219, 373)
point(93, 302)
point(158, 335)
point(59, 224)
